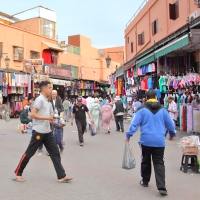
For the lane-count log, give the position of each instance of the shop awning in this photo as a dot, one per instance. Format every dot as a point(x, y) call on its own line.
point(181, 42)
point(103, 83)
point(146, 60)
point(47, 45)
point(120, 71)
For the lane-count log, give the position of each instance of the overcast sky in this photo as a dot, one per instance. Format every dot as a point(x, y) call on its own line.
point(103, 21)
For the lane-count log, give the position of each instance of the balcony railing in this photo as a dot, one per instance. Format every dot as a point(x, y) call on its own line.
point(70, 49)
point(139, 9)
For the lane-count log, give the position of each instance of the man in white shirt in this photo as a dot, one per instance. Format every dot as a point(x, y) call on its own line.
point(89, 101)
point(172, 109)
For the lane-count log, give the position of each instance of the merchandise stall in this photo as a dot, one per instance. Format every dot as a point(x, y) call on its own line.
point(178, 78)
point(131, 81)
point(111, 81)
point(117, 83)
point(13, 88)
point(86, 87)
point(138, 79)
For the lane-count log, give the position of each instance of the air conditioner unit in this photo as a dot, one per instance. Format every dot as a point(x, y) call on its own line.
point(194, 15)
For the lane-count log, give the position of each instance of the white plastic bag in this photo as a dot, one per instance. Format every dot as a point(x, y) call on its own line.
point(128, 160)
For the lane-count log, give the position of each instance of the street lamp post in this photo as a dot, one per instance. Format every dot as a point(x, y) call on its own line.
point(108, 59)
point(6, 60)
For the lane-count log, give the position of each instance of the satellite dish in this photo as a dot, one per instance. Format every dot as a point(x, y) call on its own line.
point(101, 52)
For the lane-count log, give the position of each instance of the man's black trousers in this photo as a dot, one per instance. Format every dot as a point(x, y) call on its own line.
point(157, 155)
point(49, 142)
point(119, 122)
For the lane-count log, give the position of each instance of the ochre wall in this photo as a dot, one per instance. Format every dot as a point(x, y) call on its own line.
point(93, 66)
point(12, 36)
point(32, 25)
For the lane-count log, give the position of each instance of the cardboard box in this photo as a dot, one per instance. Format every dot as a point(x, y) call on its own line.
point(190, 150)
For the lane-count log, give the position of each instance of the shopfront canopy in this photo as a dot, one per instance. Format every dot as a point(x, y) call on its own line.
point(177, 44)
point(47, 45)
point(146, 60)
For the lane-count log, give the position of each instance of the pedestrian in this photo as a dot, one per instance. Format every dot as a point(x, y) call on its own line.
point(130, 109)
point(95, 111)
point(143, 99)
point(51, 123)
point(196, 101)
point(118, 109)
point(83, 99)
point(79, 111)
point(89, 101)
point(56, 102)
point(152, 119)
point(104, 101)
point(72, 103)
point(136, 104)
point(42, 134)
point(24, 117)
point(172, 109)
point(106, 116)
point(25, 102)
point(58, 132)
point(66, 106)
point(100, 101)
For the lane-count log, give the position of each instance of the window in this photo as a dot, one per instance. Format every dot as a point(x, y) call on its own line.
point(128, 40)
point(131, 47)
point(155, 27)
point(18, 54)
point(34, 55)
point(47, 28)
point(174, 10)
point(141, 39)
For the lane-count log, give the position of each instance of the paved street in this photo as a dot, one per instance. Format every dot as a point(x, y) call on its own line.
point(96, 168)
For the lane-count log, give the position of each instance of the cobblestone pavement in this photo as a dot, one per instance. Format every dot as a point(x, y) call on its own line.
point(96, 168)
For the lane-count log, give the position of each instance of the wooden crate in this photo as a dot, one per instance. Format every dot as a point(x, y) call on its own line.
point(190, 150)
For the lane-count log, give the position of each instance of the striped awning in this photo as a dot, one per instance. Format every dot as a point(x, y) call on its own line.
point(177, 44)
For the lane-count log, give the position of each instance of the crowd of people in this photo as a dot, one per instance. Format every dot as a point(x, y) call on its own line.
point(154, 120)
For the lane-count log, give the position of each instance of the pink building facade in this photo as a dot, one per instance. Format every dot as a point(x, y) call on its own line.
point(163, 53)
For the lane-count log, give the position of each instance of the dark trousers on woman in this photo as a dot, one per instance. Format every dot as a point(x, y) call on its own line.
point(81, 126)
point(157, 155)
point(49, 142)
point(119, 122)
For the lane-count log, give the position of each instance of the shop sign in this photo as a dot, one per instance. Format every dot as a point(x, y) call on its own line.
point(60, 72)
point(38, 78)
point(30, 64)
point(60, 82)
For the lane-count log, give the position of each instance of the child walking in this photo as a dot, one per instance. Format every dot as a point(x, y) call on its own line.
point(58, 132)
